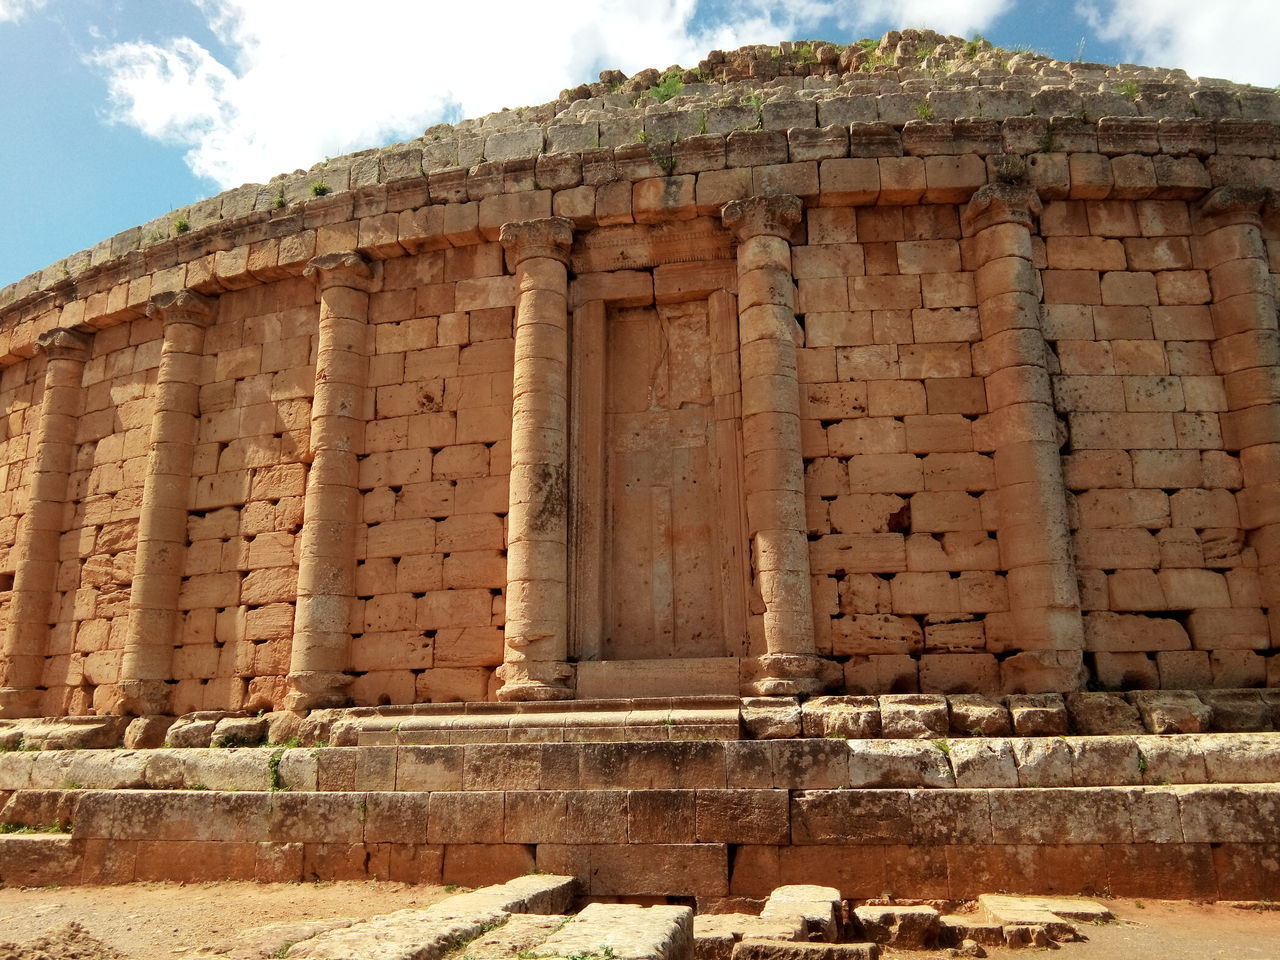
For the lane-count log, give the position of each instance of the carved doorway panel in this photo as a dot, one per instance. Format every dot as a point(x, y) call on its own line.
point(658, 542)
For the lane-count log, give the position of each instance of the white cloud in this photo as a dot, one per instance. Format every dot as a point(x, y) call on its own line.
point(1234, 39)
point(945, 16)
point(17, 9)
point(320, 78)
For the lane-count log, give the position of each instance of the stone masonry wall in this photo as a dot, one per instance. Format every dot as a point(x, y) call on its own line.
point(995, 405)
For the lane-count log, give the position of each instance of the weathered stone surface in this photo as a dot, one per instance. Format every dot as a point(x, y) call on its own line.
point(443, 927)
point(977, 716)
point(907, 928)
point(752, 949)
point(771, 718)
point(817, 907)
point(984, 763)
point(1038, 715)
point(1030, 913)
point(628, 931)
point(1102, 714)
point(852, 718)
point(716, 934)
point(915, 716)
point(1171, 711)
point(899, 763)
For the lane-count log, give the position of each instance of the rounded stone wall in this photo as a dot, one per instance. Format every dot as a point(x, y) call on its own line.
point(912, 365)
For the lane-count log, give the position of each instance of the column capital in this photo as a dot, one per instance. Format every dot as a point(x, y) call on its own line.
point(62, 343)
point(997, 203)
point(773, 216)
point(344, 269)
point(549, 237)
point(1232, 204)
point(183, 306)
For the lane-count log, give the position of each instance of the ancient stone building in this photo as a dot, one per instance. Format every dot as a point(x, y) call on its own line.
point(774, 391)
point(917, 367)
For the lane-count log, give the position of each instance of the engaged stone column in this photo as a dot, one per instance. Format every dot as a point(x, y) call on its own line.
point(1228, 243)
point(1043, 621)
point(771, 441)
point(321, 652)
point(162, 526)
point(35, 548)
point(534, 663)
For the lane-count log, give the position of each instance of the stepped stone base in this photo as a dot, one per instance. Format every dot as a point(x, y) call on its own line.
point(1184, 816)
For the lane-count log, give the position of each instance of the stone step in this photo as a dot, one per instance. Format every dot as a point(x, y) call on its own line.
point(1224, 813)
point(1171, 841)
point(39, 860)
point(888, 716)
point(797, 764)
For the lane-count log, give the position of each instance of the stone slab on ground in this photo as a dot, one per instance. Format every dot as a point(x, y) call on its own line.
point(536, 893)
point(777, 950)
point(442, 927)
point(403, 935)
point(819, 908)
point(522, 933)
point(716, 934)
point(972, 926)
point(905, 927)
point(625, 931)
point(1033, 913)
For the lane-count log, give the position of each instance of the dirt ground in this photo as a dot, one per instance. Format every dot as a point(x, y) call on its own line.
point(249, 921)
point(164, 921)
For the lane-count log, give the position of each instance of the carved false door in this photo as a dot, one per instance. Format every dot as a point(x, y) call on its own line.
point(658, 538)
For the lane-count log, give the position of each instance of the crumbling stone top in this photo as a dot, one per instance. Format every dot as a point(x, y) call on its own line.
point(904, 77)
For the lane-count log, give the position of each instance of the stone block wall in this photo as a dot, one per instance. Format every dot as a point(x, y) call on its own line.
point(987, 407)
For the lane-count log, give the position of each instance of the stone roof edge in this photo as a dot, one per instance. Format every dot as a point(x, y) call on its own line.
point(1225, 151)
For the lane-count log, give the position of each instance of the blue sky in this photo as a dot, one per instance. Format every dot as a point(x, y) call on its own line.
point(117, 111)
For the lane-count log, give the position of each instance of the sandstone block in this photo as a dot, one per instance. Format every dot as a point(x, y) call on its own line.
point(1038, 715)
point(895, 763)
point(1096, 714)
point(913, 716)
point(907, 928)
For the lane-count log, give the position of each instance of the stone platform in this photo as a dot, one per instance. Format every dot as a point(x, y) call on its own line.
point(692, 812)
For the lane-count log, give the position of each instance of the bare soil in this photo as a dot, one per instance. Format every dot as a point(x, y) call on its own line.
point(164, 921)
point(254, 921)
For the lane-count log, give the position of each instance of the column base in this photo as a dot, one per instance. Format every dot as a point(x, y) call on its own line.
point(317, 690)
point(16, 703)
point(789, 675)
point(535, 681)
point(140, 698)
